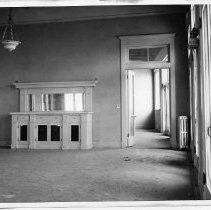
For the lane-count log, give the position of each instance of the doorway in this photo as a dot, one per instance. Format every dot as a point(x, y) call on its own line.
point(154, 53)
point(149, 107)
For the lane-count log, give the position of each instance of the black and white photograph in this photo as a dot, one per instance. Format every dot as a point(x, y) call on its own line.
point(105, 104)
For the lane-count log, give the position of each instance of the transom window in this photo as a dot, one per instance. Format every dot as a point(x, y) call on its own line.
point(145, 54)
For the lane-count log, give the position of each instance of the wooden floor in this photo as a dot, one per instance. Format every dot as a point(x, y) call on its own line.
point(131, 174)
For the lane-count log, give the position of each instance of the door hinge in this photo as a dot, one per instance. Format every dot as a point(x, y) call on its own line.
point(204, 178)
point(128, 135)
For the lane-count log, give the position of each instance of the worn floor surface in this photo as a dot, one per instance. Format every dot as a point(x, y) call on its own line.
point(143, 172)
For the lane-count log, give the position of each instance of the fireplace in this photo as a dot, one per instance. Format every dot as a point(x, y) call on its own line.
point(53, 115)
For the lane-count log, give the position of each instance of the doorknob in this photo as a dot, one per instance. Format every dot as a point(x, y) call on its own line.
point(209, 131)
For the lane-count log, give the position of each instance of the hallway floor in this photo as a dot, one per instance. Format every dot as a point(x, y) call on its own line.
point(131, 174)
point(150, 139)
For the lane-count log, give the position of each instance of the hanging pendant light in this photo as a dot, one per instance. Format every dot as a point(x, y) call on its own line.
point(8, 38)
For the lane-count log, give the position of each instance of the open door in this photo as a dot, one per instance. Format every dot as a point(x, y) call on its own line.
point(165, 102)
point(131, 109)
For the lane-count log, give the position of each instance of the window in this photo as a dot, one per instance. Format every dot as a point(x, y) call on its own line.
point(165, 76)
point(138, 54)
point(165, 101)
point(158, 53)
point(206, 48)
point(63, 102)
point(157, 88)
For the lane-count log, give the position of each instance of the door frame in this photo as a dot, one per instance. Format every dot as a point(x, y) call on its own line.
point(128, 42)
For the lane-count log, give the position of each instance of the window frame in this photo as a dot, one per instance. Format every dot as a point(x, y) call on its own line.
point(206, 79)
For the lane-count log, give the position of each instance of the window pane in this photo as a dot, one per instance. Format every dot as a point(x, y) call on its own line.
point(55, 133)
point(78, 102)
point(74, 132)
point(157, 89)
point(159, 54)
point(42, 132)
point(68, 98)
point(138, 54)
point(23, 133)
point(165, 76)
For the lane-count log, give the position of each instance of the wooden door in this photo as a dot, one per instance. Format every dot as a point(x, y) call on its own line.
point(131, 109)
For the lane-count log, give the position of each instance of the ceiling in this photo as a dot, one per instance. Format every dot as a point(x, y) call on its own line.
point(26, 3)
point(34, 15)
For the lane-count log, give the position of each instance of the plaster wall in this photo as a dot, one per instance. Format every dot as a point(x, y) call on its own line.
point(85, 50)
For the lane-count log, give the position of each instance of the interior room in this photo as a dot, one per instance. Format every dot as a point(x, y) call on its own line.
point(95, 98)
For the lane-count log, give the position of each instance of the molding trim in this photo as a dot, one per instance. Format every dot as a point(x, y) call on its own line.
point(134, 40)
point(55, 84)
point(87, 18)
point(53, 3)
point(51, 113)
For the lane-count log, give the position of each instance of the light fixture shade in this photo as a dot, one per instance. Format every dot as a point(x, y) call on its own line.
point(9, 41)
point(10, 45)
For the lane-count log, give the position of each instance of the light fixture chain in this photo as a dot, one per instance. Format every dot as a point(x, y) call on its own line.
point(11, 31)
point(5, 30)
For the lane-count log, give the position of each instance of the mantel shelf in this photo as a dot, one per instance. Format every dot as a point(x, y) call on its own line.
point(55, 84)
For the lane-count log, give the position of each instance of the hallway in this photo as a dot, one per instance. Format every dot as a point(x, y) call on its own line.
point(149, 139)
point(131, 174)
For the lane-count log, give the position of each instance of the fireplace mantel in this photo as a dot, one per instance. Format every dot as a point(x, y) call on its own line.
point(53, 115)
point(55, 84)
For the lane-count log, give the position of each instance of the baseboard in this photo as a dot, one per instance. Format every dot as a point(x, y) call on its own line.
point(4, 143)
point(96, 144)
point(107, 144)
